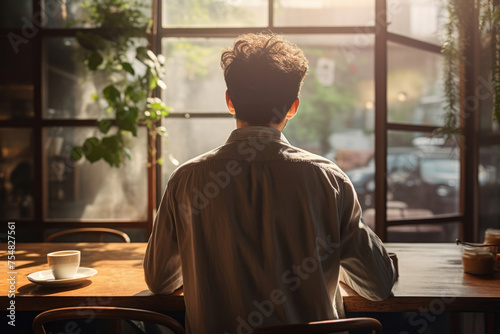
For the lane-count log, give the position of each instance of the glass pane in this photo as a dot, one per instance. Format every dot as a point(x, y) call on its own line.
point(83, 190)
point(423, 176)
point(324, 13)
point(335, 117)
point(419, 19)
point(69, 87)
point(414, 86)
point(215, 13)
point(16, 80)
point(194, 78)
point(188, 138)
point(64, 14)
point(16, 173)
point(15, 13)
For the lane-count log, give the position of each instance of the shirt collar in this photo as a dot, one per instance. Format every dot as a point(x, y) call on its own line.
point(257, 132)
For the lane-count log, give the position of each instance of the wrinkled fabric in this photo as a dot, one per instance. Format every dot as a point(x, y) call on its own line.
point(258, 232)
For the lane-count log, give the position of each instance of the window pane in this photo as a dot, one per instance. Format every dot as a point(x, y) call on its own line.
point(423, 176)
point(15, 13)
point(215, 13)
point(188, 138)
point(64, 14)
point(324, 13)
point(93, 191)
point(16, 80)
point(69, 87)
point(68, 93)
point(194, 78)
point(335, 117)
point(414, 86)
point(419, 19)
point(16, 173)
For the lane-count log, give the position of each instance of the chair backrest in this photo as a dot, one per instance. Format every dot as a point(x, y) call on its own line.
point(325, 327)
point(101, 312)
point(96, 231)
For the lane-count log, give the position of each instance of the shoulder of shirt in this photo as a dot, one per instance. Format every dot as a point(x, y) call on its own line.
point(193, 163)
point(288, 153)
point(314, 159)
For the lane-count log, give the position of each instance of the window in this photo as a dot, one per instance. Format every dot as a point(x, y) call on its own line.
point(371, 101)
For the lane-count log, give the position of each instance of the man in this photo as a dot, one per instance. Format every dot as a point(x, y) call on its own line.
point(259, 231)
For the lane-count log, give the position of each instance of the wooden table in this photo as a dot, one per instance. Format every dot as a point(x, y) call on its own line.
point(119, 281)
point(431, 277)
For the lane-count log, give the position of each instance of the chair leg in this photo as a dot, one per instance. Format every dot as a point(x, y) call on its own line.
point(489, 325)
point(454, 323)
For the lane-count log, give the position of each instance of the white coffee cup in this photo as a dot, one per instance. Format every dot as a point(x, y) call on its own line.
point(64, 264)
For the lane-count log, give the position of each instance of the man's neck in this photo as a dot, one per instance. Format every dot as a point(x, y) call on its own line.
point(242, 124)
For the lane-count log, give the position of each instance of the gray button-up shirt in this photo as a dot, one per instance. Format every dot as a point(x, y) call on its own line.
point(259, 232)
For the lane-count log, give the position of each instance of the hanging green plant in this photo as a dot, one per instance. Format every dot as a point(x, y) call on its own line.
point(127, 101)
point(454, 46)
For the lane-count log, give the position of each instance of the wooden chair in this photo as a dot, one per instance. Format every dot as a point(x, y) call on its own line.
point(325, 327)
point(96, 231)
point(101, 312)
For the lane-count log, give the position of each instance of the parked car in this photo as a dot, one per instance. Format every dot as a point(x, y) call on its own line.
point(421, 179)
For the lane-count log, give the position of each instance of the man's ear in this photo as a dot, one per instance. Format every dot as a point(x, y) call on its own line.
point(293, 109)
point(229, 104)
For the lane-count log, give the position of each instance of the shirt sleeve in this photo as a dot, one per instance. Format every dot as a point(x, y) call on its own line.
point(365, 265)
point(162, 262)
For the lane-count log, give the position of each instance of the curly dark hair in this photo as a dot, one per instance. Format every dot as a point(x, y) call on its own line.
point(263, 73)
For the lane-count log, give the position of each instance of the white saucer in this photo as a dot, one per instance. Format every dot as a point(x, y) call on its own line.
point(45, 277)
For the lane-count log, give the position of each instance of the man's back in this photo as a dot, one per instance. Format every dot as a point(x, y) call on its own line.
point(261, 229)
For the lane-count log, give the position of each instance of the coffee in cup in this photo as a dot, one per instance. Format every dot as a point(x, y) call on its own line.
point(64, 264)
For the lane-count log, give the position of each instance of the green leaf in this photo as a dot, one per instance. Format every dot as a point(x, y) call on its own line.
point(111, 94)
point(127, 118)
point(76, 153)
point(134, 94)
point(112, 158)
point(95, 97)
point(128, 67)
point(104, 125)
point(95, 60)
point(86, 41)
point(152, 81)
point(142, 53)
point(160, 161)
point(111, 143)
point(92, 149)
